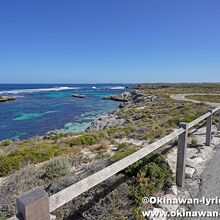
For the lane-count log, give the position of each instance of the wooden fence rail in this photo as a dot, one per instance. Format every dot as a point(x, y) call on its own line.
point(37, 205)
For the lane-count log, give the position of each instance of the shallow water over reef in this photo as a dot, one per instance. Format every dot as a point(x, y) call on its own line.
point(42, 108)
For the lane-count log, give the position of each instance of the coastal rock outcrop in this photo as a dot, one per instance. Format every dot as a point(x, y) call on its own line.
point(7, 98)
point(106, 121)
point(124, 97)
point(138, 97)
point(78, 96)
point(132, 97)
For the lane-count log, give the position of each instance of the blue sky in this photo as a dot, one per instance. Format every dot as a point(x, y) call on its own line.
point(88, 41)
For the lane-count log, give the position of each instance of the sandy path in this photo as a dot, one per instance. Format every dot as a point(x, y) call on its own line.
point(182, 97)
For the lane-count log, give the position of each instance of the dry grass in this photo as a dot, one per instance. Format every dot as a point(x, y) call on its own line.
point(104, 145)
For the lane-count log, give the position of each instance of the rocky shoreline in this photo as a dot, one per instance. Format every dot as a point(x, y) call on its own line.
point(132, 97)
point(127, 99)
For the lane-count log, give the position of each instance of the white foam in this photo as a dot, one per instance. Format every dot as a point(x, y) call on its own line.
point(17, 91)
point(118, 87)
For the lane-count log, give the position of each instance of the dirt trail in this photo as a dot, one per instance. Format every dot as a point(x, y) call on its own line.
point(182, 97)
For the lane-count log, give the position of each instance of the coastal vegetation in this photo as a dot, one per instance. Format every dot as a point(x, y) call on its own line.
point(86, 139)
point(147, 115)
point(57, 167)
point(150, 175)
point(181, 88)
point(205, 98)
point(33, 150)
point(156, 119)
point(194, 142)
point(123, 151)
point(2, 218)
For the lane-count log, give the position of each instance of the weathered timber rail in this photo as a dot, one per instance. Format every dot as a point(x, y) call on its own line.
point(37, 205)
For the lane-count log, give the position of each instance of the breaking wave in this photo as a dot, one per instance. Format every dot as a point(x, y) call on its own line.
point(118, 87)
point(18, 91)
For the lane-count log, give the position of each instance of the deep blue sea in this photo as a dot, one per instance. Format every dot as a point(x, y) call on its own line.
point(46, 107)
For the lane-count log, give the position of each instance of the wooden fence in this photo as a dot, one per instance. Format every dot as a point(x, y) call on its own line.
point(37, 205)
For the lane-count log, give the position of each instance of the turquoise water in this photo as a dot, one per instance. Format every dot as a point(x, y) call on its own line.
point(29, 116)
point(42, 108)
point(58, 94)
point(75, 127)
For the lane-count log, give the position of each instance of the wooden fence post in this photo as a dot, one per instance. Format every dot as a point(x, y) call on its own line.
point(33, 205)
point(209, 129)
point(218, 120)
point(181, 155)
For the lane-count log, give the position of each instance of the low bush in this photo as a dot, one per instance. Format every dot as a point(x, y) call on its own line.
point(2, 217)
point(6, 143)
point(152, 174)
point(104, 144)
point(26, 153)
point(119, 131)
point(7, 164)
point(205, 98)
point(124, 150)
point(57, 167)
point(86, 139)
point(194, 142)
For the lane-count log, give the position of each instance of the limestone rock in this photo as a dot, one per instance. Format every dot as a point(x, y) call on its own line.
point(107, 121)
point(114, 148)
point(173, 190)
point(78, 96)
point(7, 98)
point(189, 172)
point(124, 97)
point(52, 217)
point(134, 97)
point(198, 160)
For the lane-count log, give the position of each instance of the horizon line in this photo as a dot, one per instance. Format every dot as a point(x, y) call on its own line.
point(64, 83)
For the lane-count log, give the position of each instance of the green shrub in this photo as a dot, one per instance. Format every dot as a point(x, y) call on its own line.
point(124, 150)
point(57, 167)
point(138, 213)
point(205, 98)
point(152, 174)
point(26, 153)
point(194, 142)
point(101, 135)
point(86, 139)
point(115, 132)
point(36, 154)
point(2, 217)
point(7, 164)
point(191, 116)
point(173, 122)
point(122, 218)
point(6, 143)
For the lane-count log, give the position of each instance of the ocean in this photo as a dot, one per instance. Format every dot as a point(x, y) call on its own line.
point(40, 108)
